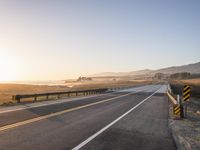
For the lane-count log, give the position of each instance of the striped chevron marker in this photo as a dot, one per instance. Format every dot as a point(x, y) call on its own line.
point(186, 93)
point(177, 109)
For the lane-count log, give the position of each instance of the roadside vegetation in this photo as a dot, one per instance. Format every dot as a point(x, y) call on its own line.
point(177, 86)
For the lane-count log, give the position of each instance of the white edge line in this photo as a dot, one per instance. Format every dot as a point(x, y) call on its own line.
point(60, 101)
point(58, 113)
point(112, 123)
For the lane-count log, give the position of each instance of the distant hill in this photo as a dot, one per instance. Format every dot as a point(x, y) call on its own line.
point(108, 74)
point(192, 68)
point(116, 74)
point(140, 72)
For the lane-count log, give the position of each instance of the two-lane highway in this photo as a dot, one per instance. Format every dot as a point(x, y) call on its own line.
point(135, 118)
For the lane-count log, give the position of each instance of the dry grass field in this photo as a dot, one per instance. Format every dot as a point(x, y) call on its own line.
point(177, 86)
point(192, 82)
point(8, 90)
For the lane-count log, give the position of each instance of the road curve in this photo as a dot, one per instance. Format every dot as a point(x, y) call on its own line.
point(143, 127)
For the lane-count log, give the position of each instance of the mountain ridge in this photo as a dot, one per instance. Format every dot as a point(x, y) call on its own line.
point(192, 68)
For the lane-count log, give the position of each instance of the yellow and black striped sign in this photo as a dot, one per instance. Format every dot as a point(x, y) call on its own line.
point(186, 93)
point(177, 109)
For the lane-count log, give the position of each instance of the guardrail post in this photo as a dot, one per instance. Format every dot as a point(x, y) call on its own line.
point(185, 110)
point(182, 111)
point(35, 98)
point(179, 100)
point(17, 98)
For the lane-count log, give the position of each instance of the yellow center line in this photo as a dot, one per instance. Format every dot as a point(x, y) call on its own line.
point(6, 127)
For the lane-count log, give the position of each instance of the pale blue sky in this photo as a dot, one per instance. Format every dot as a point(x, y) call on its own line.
point(59, 39)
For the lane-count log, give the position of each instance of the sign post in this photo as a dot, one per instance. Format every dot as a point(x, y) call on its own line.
point(181, 108)
point(186, 97)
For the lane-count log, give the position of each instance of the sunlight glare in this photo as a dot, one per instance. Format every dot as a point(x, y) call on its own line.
point(8, 69)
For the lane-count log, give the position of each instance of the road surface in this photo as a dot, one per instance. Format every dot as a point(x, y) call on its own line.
point(135, 118)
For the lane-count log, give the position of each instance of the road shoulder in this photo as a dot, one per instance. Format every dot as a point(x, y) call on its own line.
point(186, 131)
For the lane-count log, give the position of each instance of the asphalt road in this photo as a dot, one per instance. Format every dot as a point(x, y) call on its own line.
point(129, 119)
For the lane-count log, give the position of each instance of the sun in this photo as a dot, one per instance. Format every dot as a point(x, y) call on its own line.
point(8, 68)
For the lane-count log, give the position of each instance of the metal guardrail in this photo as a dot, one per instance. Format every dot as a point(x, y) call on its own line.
point(68, 93)
point(58, 94)
point(172, 99)
point(171, 95)
point(179, 109)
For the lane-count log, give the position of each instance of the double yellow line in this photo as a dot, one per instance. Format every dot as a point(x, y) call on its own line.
point(58, 113)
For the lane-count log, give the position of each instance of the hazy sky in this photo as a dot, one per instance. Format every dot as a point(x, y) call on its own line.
point(59, 39)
